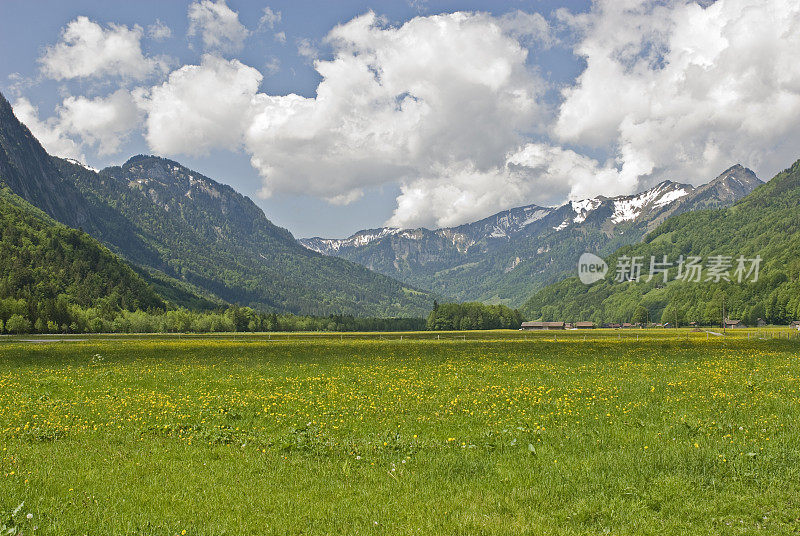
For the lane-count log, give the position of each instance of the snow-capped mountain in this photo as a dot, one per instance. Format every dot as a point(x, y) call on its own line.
point(508, 255)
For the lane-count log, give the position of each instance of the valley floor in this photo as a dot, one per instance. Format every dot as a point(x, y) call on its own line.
point(475, 433)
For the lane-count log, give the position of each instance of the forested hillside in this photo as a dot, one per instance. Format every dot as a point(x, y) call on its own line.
point(205, 234)
point(198, 242)
point(766, 223)
point(51, 274)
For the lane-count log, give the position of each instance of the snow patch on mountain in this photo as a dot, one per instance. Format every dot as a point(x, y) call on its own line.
point(629, 208)
point(583, 208)
point(669, 197)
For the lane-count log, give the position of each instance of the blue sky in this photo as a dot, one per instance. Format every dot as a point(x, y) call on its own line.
point(429, 113)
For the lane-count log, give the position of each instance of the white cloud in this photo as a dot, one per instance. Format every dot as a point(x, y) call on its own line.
point(307, 50)
point(86, 49)
point(50, 133)
point(159, 31)
point(104, 121)
point(269, 19)
point(682, 91)
point(539, 171)
point(201, 107)
point(531, 29)
point(280, 37)
point(218, 26)
point(431, 98)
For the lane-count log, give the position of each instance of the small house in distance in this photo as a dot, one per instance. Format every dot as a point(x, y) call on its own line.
point(731, 324)
point(527, 326)
point(761, 323)
point(584, 325)
point(795, 325)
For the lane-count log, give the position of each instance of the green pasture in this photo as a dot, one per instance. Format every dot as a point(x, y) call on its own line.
point(595, 432)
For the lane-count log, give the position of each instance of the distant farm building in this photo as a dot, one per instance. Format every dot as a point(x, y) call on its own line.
point(795, 325)
point(733, 323)
point(542, 325)
point(584, 325)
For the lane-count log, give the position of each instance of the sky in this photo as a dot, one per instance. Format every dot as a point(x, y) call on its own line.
point(341, 116)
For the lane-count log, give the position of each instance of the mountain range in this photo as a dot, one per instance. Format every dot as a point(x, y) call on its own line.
point(764, 225)
point(507, 256)
point(199, 243)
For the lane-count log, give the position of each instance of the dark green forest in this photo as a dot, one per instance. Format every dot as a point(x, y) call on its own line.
point(464, 316)
point(48, 272)
point(765, 223)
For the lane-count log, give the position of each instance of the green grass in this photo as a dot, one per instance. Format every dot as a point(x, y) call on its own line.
point(501, 433)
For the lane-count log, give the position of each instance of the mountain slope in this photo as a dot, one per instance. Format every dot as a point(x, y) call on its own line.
point(207, 234)
point(505, 257)
point(46, 267)
point(766, 223)
point(192, 237)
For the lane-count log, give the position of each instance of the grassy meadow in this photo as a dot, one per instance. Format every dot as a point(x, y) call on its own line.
point(478, 433)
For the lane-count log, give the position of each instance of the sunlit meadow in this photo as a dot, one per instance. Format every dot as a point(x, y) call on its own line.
point(495, 434)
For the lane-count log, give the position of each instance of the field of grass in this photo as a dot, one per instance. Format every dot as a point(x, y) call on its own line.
point(496, 433)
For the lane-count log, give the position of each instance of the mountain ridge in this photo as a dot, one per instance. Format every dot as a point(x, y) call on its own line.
point(540, 243)
point(763, 224)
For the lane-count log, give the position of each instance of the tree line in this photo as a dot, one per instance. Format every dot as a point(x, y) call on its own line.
point(474, 315)
point(14, 320)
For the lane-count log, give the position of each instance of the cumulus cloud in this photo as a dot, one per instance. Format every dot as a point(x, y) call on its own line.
point(537, 171)
point(87, 49)
point(201, 107)
point(430, 98)
point(80, 122)
point(218, 26)
point(683, 90)
point(50, 133)
point(103, 121)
